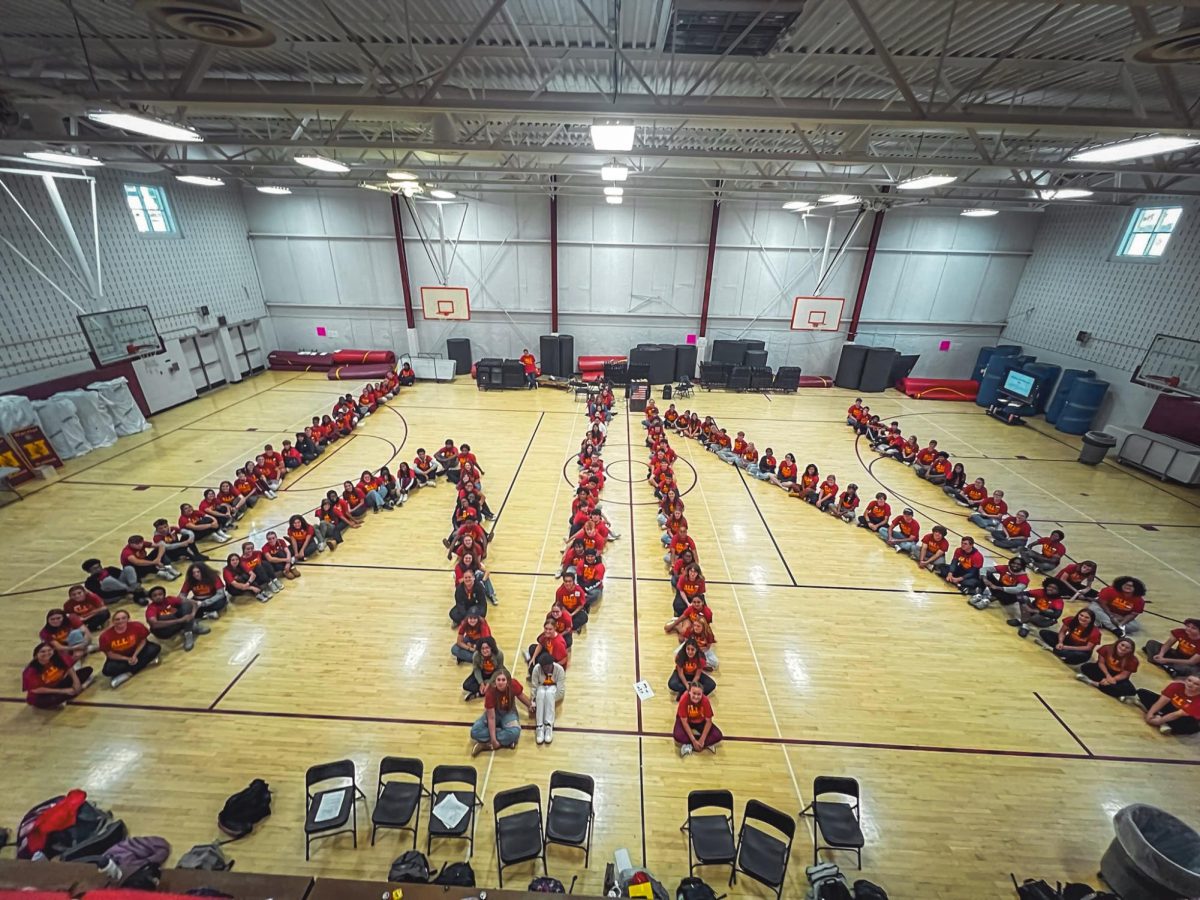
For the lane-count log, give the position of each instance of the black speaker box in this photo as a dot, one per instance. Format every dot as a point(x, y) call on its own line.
point(459, 350)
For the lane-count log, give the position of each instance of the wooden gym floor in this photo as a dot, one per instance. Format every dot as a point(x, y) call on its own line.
point(978, 753)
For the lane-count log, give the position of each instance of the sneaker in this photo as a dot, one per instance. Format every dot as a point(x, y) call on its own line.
point(212, 614)
point(494, 600)
point(189, 641)
point(201, 629)
point(541, 735)
point(119, 680)
point(87, 684)
point(549, 734)
point(1085, 679)
point(1130, 699)
point(898, 548)
point(262, 596)
point(93, 646)
point(477, 748)
point(1023, 631)
point(156, 661)
point(276, 585)
point(1164, 729)
point(684, 750)
point(1015, 623)
point(220, 536)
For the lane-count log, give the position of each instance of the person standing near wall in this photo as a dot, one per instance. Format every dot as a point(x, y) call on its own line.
point(531, 372)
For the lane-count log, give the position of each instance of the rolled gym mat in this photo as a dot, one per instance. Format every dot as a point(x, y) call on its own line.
point(1083, 403)
point(363, 357)
point(459, 350)
point(1069, 377)
point(877, 369)
point(1046, 376)
point(551, 363)
point(850, 366)
point(363, 372)
point(993, 378)
point(981, 361)
point(756, 359)
point(685, 361)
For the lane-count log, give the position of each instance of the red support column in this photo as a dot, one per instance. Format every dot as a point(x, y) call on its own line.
point(398, 229)
point(868, 262)
point(708, 266)
point(554, 259)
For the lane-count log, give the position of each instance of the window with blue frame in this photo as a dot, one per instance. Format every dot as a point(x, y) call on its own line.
point(150, 210)
point(1149, 231)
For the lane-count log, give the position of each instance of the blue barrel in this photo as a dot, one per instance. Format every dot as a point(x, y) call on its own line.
point(1045, 375)
point(1069, 377)
point(985, 356)
point(1083, 403)
point(993, 377)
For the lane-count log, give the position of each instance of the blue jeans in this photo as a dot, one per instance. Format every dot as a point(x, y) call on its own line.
point(906, 546)
point(462, 654)
point(984, 522)
point(376, 499)
point(508, 729)
point(593, 593)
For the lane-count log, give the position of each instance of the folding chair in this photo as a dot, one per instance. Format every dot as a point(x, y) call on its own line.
point(760, 854)
point(684, 389)
point(518, 834)
point(570, 819)
point(710, 836)
point(398, 800)
point(441, 786)
point(327, 811)
point(838, 822)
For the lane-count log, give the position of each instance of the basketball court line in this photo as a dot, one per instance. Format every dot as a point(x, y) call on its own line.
point(637, 647)
point(316, 463)
point(1059, 719)
point(516, 473)
point(236, 679)
point(770, 533)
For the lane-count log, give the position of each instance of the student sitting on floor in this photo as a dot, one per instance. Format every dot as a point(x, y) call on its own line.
point(425, 468)
point(854, 413)
point(243, 581)
point(201, 524)
point(694, 726)
point(179, 543)
point(734, 451)
point(764, 469)
point(168, 616)
point(303, 539)
point(1075, 640)
point(572, 597)
point(89, 608)
point(500, 726)
point(695, 609)
point(1013, 532)
point(963, 570)
point(572, 557)
point(877, 513)
point(127, 648)
point(468, 595)
point(909, 450)
point(147, 559)
point(1075, 581)
point(468, 562)
point(880, 444)
point(1040, 608)
point(826, 494)
point(1111, 671)
point(110, 583)
point(206, 589)
point(688, 584)
point(67, 634)
point(1180, 655)
point(930, 552)
point(904, 532)
point(810, 478)
point(292, 457)
point(847, 504)
point(990, 511)
point(487, 660)
point(562, 623)
point(253, 560)
point(925, 456)
point(971, 495)
point(1118, 606)
point(873, 430)
point(674, 522)
point(589, 575)
point(1004, 584)
point(278, 553)
point(549, 641)
point(748, 459)
point(941, 470)
point(50, 681)
point(471, 630)
point(689, 670)
point(1046, 553)
point(785, 477)
point(679, 543)
point(955, 481)
point(549, 681)
point(1177, 709)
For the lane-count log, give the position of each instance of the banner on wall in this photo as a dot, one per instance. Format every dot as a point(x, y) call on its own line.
point(10, 458)
point(35, 447)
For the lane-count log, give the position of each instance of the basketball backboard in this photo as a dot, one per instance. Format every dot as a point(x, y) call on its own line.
point(817, 313)
point(446, 303)
point(1171, 365)
point(119, 334)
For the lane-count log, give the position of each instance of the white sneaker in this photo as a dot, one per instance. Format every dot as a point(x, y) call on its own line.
point(549, 733)
point(321, 547)
point(541, 734)
point(276, 585)
point(262, 596)
point(1084, 679)
point(119, 680)
point(1130, 699)
point(221, 536)
point(1164, 729)
point(684, 749)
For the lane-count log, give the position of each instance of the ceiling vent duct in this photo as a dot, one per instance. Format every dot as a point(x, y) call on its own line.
point(219, 22)
point(710, 28)
point(1174, 47)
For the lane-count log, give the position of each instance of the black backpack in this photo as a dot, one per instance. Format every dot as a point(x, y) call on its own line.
point(865, 890)
point(692, 888)
point(245, 809)
point(1032, 889)
point(410, 867)
point(832, 889)
point(459, 874)
point(546, 885)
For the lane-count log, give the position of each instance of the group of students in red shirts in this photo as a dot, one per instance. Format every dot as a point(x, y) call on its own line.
point(1074, 639)
point(85, 624)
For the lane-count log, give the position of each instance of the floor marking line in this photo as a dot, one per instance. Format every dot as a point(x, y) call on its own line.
point(516, 473)
point(763, 519)
point(316, 463)
point(236, 679)
point(1061, 722)
point(637, 649)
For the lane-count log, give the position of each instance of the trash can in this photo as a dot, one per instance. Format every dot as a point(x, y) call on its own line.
point(1096, 445)
point(1154, 856)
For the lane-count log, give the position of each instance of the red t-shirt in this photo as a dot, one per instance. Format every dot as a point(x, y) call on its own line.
point(877, 511)
point(1180, 700)
point(682, 542)
point(503, 703)
point(847, 502)
point(555, 646)
point(168, 607)
point(694, 713)
point(1039, 601)
point(1118, 604)
point(49, 676)
point(1076, 636)
point(1015, 527)
point(474, 633)
point(1116, 666)
point(126, 643)
point(974, 492)
point(935, 543)
point(1183, 643)
point(1049, 547)
point(586, 575)
point(993, 507)
point(911, 529)
point(926, 456)
point(129, 553)
point(787, 471)
point(828, 489)
point(87, 606)
point(971, 559)
point(690, 588)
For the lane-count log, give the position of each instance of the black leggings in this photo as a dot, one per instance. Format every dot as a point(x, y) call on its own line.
point(1123, 688)
point(579, 618)
point(189, 551)
point(1070, 657)
point(1182, 725)
point(115, 667)
point(1067, 590)
point(675, 683)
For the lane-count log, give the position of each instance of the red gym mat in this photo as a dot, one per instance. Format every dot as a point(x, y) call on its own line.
point(815, 381)
point(373, 372)
point(295, 361)
point(940, 388)
point(591, 368)
point(363, 357)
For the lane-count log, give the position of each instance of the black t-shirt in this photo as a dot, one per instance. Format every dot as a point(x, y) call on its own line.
point(475, 598)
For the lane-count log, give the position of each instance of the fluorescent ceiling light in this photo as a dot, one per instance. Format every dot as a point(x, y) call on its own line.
point(1064, 194)
point(797, 205)
point(398, 175)
point(202, 180)
point(1135, 149)
point(57, 158)
point(322, 164)
point(613, 138)
point(147, 125)
point(926, 181)
point(839, 199)
point(613, 191)
point(615, 201)
point(273, 189)
point(613, 172)
point(409, 188)
point(979, 213)
point(441, 194)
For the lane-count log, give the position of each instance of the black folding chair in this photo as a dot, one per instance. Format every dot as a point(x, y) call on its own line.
point(710, 836)
point(570, 818)
point(838, 822)
point(398, 800)
point(763, 855)
point(327, 811)
point(459, 782)
point(518, 834)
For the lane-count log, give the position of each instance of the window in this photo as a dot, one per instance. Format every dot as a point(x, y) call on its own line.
point(1148, 232)
point(150, 210)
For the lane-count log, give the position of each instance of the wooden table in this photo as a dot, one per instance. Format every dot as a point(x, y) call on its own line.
point(241, 885)
point(344, 889)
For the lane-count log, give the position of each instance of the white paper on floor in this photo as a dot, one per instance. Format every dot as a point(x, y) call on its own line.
point(643, 689)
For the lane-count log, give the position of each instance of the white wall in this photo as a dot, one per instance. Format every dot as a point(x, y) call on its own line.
point(1074, 283)
point(210, 264)
point(633, 273)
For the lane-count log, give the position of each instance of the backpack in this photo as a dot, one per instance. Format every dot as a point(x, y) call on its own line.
point(133, 853)
point(694, 889)
point(94, 831)
point(547, 885)
point(832, 889)
point(459, 874)
point(865, 890)
point(411, 866)
point(209, 857)
point(1031, 889)
point(144, 878)
point(245, 809)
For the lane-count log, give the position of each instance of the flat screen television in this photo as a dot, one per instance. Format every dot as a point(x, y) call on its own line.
point(1019, 384)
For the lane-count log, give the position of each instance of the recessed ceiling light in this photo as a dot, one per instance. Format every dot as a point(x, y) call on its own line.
point(797, 205)
point(979, 213)
point(613, 137)
point(1135, 149)
point(1064, 194)
point(322, 163)
point(54, 157)
point(202, 180)
point(147, 125)
point(839, 199)
point(615, 201)
point(441, 194)
point(613, 191)
point(273, 189)
point(613, 172)
point(398, 175)
point(926, 181)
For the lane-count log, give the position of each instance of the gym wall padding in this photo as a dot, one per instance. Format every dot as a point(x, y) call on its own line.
point(550, 357)
point(360, 372)
point(1083, 403)
point(877, 369)
point(986, 354)
point(685, 361)
point(850, 366)
point(591, 368)
point(815, 381)
point(566, 355)
point(993, 377)
point(295, 361)
point(1069, 377)
point(363, 357)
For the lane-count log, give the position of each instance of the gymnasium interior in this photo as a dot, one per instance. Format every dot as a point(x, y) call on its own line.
point(785, 285)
